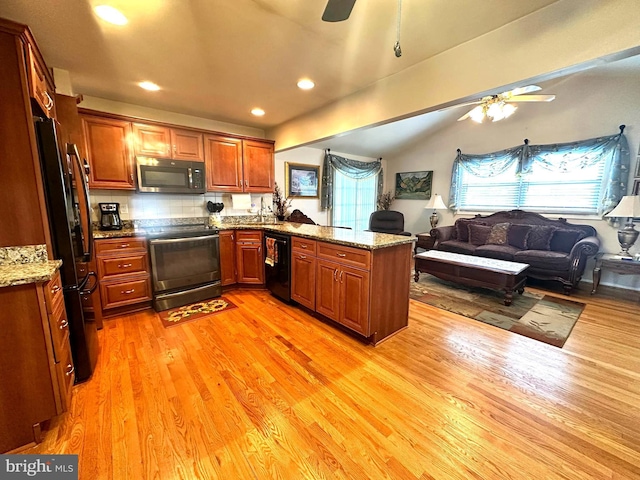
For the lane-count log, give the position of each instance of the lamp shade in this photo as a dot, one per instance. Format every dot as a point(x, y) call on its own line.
point(629, 206)
point(436, 203)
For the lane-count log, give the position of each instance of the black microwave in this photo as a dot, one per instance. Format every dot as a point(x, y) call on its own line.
point(163, 175)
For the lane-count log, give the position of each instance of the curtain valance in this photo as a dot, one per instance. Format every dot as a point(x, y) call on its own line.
point(351, 168)
point(559, 157)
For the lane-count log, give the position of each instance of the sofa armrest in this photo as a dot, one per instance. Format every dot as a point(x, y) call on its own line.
point(442, 234)
point(587, 247)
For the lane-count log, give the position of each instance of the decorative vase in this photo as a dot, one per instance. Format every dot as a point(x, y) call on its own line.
point(280, 217)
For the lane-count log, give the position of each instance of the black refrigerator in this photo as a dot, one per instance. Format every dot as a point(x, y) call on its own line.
point(68, 209)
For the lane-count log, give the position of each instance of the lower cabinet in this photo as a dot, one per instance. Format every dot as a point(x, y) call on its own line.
point(249, 257)
point(35, 360)
point(364, 290)
point(227, 257)
point(123, 273)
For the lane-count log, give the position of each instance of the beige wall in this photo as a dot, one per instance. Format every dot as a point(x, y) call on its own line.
point(562, 35)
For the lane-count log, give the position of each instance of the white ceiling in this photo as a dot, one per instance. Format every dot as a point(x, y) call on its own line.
point(218, 59)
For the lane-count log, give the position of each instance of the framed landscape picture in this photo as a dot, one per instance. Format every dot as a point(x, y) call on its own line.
point(302, 180)
point(414, 185)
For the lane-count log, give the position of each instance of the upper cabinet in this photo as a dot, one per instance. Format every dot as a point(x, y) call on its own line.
point(235, 165)
point(41, 88)
point(109, 153)
point(160, 141)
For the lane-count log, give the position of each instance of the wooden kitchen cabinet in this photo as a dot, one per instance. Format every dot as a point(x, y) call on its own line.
point(109, 152)
point(35, 360)
point(237, 165)
point(303, 271)
point(227, 257)
point(123, 274)
point(41, 87)
point(249, 257)
point(165, 142)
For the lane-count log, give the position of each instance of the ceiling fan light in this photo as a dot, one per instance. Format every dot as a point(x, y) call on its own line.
point(508, 110)
point(494, 111)
point(477, 114)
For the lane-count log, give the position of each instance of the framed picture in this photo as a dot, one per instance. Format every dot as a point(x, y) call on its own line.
point(302, 180)
point(414, 185)
point(636, 187)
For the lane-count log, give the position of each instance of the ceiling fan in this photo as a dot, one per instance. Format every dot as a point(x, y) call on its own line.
point(337, 10)
point(498, 107)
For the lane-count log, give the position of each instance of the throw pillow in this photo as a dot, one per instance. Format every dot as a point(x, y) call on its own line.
point(462, 228)
point(539, 237)
point(563, 239)
point(517, 236)
point(478, 234)
point(498, 235)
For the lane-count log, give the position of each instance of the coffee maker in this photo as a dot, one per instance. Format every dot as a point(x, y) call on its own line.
point(110, 216)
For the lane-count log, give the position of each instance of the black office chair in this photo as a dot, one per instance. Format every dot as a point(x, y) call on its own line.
point(387, 221)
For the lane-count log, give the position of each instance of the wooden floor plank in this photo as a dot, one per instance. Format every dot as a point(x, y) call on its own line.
point(268, 391)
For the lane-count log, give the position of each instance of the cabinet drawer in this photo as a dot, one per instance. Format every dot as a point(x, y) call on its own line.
point(117, 294)
point(65, 372)
point(304, 245)
point(53, 293)
point(249, 236)
point(114, 266)
point(119, 245)
point(355, 257)
point(59, 325)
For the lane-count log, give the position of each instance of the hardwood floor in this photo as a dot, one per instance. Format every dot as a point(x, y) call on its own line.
point(267, 391)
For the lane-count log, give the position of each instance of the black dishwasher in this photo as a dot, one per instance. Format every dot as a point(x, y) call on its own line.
point(277, 267)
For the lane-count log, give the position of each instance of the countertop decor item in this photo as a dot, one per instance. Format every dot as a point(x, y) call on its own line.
point(385, 200)
point(628, 207)
point(280, 203)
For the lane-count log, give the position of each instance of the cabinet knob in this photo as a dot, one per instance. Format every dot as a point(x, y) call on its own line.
point(70, 370)
point(131, 176)
point(341, 255)
point(55, 289)
point(127, 292)
point(124, 265)
point(124, 245)
point(63, 324)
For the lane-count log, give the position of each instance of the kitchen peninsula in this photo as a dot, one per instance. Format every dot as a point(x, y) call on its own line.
point(357, 279)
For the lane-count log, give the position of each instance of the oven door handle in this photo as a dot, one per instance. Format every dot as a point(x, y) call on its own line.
point(158, 241)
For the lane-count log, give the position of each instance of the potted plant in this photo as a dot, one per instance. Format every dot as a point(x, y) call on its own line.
point(385, 200)
point(280, 203)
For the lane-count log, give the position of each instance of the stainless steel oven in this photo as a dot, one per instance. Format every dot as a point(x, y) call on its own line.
point(185, 266)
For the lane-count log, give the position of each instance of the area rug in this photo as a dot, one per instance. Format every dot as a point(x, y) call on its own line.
point(177, 316)
point(544, 318)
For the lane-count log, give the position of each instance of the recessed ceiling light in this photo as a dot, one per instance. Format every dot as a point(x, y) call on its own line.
point(149, 86)
point(110, 14)
point(306, 84)
point(258, 112)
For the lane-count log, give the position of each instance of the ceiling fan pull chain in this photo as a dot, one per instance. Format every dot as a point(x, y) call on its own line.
point(396, 48)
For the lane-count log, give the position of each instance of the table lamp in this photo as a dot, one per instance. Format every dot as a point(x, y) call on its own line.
point(629, 207)
point(435, 203)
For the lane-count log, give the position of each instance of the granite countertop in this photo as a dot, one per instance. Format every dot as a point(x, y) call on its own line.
point(26, 264)
point(342, 236)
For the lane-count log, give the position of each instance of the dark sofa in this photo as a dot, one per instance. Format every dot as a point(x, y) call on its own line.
point(554, 249)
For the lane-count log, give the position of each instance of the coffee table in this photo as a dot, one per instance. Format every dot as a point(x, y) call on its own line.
point(474, 271)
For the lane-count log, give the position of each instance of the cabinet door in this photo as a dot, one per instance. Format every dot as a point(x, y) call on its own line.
point(109, 153)
point(258, 166)
point(187, 145)
point(152, 140)
point(223, 158)
point(227, 257)
point(303, 279)
point(38, 87)
point(327, 289)
point(250, 263)
point(354, 299)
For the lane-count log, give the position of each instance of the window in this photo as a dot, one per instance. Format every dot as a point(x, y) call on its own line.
point(541, 190)
point(353, 201)
point(587, 177)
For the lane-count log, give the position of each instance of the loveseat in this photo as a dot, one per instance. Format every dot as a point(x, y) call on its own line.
point(554, 249)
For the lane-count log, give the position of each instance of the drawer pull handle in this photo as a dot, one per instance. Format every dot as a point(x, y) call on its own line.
point(49, 101)
point(124, 245)
point(302, 257)
point(342, 255)
point(55, 289)
point(335, 275)
point(127, 292)
point(64, 324)
point(70, 370)
point(303, 245)
point(341, 272)
point(124, 265)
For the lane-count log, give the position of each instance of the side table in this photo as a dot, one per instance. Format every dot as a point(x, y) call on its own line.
point(425, 241)
point(615, 264)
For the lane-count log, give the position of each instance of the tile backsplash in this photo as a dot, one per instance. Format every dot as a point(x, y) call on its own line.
point(137, 206)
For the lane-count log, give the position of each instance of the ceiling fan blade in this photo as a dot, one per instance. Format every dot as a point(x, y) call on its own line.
point(468, 114)
point(532, 98)
point(337, 10)
point(523, 90)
